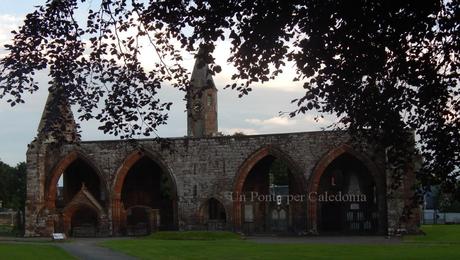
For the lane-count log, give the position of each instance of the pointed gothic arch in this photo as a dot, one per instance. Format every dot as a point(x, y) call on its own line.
point(60, 168)
point(131, 160)
point(321, 167)
point(213, 213)
point(245, 170)
point(69, 218)
point(83, 216)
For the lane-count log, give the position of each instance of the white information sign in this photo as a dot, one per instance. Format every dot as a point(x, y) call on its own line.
point(58, 236)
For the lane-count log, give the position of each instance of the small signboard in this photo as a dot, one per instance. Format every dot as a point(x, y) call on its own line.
point(58, 236)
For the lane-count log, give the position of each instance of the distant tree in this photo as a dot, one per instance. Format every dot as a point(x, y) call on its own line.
point(454, 206)
point(382, 67)
point(447, 203)
point(13, 186)
point(279, 173)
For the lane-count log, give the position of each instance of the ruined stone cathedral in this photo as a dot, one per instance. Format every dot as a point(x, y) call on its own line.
point(295, 183)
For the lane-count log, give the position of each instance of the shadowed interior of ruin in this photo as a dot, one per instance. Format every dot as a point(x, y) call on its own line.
point(138, 221)
point(216, 210)
point(84, 222)
point(348, 176)
point(214, 215)
point(262, 212)
point(71, 181)
point(147, 187)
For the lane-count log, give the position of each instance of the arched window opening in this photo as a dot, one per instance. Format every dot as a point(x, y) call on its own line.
point(71, 181)
point(147, 185)
point(347, 198)
point(216, 210)
point(267, 191)
point(216, 217)
point(279, 178)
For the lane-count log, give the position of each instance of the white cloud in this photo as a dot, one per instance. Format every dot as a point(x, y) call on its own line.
point(8, 23)
point(277, 120)
point(313, 119)
point(278, 124)
point(246, 131)
point(284, 82)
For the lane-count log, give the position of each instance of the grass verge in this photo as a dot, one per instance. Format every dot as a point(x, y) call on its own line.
point(447, 234)
point(25, 252)
point(166, 246)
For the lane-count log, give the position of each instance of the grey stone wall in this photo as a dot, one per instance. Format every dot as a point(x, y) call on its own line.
point(211, 164)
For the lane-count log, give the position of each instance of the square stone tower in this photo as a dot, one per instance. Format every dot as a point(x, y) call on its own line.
point(201, 101)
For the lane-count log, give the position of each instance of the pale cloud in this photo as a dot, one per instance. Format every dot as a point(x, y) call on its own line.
point(246, 131)
point(284, 124)
point(284, 82)
point(277, 120)
point(8, 23)
point(316, 119)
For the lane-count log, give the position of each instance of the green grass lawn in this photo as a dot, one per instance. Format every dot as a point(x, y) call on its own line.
point(26, 251)
point(447, 234)
point(227, 246)
point(194, 235)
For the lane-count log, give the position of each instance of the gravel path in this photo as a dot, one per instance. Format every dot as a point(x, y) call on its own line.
point(81, 248)
point(88, 249)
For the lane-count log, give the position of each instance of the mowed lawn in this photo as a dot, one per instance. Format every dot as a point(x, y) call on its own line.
point(445, 234)
point(31, 251)
point(441, 242)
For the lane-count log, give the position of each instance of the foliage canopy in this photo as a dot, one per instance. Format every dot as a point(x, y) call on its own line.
point(383, 67)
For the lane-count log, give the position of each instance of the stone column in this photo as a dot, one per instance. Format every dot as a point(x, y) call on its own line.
point(36, 155)
point(116, 215)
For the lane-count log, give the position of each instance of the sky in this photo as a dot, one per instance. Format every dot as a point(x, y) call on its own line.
point(257, 113)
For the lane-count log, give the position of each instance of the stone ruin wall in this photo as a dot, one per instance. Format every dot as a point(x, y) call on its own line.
point(212, 165)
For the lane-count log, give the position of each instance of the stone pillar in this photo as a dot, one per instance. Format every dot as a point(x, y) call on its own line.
point(312, 226)
point(116, 215)
point(237, 213)
point(67, 225)
point(104, 229)
point(35, 195)
point(402, 209)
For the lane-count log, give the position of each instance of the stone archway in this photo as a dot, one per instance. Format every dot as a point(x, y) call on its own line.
point(245, 170)
point(320, 169)
point(118, 208)
point(82, 220)
point(84, 216)
point(213, 214)
point(71, 167)
point(60, 168)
